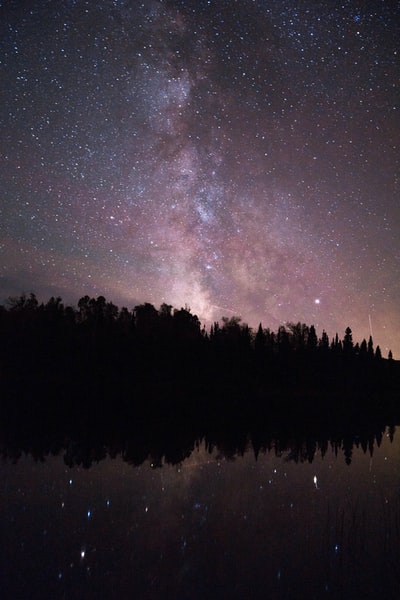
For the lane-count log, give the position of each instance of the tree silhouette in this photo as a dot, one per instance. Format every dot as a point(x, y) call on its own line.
point(363, 349)
point(370, 347)
point(348, 341)
point(324, 341)
point(146, 320)
point(260, 341)
point(312, 340)
point(74, 359)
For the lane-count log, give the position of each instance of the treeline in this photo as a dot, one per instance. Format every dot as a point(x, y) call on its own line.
point(96, 358)
point(152, 326)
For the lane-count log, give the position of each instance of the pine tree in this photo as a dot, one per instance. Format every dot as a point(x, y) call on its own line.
point(260, 340)
point(370, 349)
point(348, 341)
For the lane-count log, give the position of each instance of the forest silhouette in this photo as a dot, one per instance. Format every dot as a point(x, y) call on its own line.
point(96, 364)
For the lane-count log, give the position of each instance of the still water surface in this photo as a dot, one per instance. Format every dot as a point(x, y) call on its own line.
point(209, 527)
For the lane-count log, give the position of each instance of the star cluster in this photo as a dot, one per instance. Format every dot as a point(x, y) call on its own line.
point(239, 157)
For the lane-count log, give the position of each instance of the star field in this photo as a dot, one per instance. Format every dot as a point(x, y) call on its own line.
point(239, 157)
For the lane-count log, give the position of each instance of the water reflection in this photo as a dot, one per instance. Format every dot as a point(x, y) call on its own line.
point(234, 516)
point(171, 444)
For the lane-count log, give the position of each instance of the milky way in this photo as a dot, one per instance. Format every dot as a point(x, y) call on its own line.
point(237, 157)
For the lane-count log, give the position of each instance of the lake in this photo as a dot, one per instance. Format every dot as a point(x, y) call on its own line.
point(282, 521)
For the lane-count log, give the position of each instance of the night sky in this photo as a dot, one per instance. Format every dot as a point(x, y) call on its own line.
point(239, 157)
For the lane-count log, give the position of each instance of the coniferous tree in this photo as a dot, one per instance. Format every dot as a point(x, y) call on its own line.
point(363, 349)
point(312, 340)
point(370, 348)
point(336, 344)
point(260, 340)
point(324, 342)
point(348, 341)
